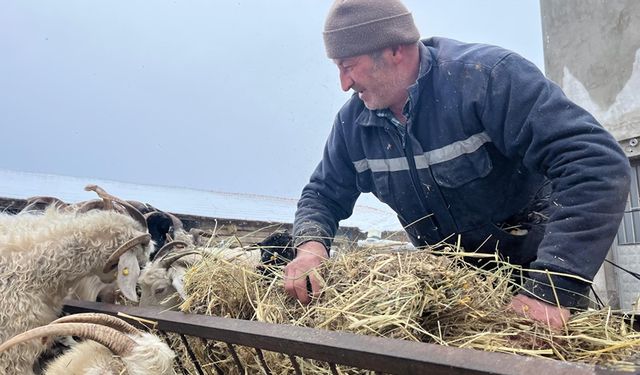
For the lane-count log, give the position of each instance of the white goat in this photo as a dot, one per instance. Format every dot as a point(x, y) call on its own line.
point(113, 347)
point(161, 282)
point(38, 266)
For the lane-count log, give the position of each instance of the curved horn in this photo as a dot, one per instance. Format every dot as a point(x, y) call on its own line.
point(198, 234)
point(177, 223)
point(95, 204)
point(100, 191)
point(113, 259)
point(32, 202)
point(117, 342)
point(100, 319)
point(166, 249)
point(133, 212)
point(144, 208)
point(168, 260)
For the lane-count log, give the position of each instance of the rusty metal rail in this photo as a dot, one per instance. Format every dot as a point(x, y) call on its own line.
point(340, 348)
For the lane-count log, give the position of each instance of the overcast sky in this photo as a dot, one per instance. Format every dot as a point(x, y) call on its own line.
point(234, 96)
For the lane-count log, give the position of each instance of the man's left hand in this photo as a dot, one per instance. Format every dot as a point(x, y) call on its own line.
point(554, 316)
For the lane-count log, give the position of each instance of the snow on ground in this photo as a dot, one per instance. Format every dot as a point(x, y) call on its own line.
point(184, 201)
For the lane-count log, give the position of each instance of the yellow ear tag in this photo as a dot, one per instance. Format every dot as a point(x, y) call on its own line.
point(125, 271)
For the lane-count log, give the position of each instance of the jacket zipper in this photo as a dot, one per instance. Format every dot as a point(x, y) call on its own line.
point(413, 171)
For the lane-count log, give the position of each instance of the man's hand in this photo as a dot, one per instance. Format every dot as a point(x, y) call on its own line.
point(537, 310)
point(310, 255)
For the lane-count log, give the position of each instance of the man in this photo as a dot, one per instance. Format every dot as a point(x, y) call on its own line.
point(462, 140)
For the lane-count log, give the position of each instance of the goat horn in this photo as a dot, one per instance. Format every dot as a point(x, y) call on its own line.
point(166, 249)
point(168, 260)
point(47, 201)
point(100, 319)
point(108, 198)
point(117, 342)
point(142, 207)
point(177, 223)
point(95, 204)
point(100, 191)
point(113, 259)
point(200, 232)
point(135, 214)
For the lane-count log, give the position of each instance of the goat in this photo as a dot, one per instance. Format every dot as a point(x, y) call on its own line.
point(276, 250)
point(65, 248)
point(18, 232)
point(161, 282)
point(113, 347)
point(163, 226)
point(39, 203)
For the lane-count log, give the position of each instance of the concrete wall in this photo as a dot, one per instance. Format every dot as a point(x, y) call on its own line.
point(592, 50)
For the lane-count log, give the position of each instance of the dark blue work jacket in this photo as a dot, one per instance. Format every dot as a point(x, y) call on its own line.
point(490, 142)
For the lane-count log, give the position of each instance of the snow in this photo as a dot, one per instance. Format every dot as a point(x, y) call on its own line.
point(22, 185)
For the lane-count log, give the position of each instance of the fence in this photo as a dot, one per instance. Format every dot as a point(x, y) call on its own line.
point(379, 355)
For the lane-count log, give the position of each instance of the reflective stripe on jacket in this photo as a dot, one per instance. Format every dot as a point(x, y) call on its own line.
point(488, 139)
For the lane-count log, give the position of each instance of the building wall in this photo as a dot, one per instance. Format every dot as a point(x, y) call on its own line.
point(592, 50)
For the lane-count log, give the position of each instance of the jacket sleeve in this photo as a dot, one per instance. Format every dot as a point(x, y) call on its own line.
point(528, 117)
point(330, 194)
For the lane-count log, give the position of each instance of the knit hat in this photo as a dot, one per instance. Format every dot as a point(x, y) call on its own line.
point(358, 27)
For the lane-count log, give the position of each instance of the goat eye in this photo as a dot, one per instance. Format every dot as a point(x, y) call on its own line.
point(159, 290)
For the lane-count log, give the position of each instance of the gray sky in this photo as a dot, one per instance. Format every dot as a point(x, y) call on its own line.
point(233, 96)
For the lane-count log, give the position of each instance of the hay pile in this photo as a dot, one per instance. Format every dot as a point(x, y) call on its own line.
point(418, 296)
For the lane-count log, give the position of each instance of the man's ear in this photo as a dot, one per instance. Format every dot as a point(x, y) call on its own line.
point(398, 53)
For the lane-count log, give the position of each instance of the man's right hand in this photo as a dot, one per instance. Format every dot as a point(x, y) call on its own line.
point(309, 256)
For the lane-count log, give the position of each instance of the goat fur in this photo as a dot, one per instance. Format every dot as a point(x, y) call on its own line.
point(39, 263)
point(164, 287)
point(150, 357)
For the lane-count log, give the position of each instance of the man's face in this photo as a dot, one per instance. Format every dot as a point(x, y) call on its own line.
point(374, 79)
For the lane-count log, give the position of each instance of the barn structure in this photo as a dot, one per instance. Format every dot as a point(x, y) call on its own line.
point(592, 50)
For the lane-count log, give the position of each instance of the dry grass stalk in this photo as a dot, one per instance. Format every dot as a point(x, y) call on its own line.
point(416, 296)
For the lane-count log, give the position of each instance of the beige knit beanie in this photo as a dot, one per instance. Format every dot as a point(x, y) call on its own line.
point(357, 27)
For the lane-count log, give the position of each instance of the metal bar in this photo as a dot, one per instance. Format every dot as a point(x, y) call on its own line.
point(263, 363)
point(366, 352)
point(296, 365)
point(206, 344)
point(334, 369)
point(191, 355)
point(235, 358)
point(166, 339)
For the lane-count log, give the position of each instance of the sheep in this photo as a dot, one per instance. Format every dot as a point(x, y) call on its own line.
point(113, 347)
point(64, 249)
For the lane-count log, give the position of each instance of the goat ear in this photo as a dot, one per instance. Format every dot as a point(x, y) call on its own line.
point(178, 282)
point(128, 272)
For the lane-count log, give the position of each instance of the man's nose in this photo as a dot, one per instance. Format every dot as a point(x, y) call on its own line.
point(345, 82)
